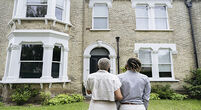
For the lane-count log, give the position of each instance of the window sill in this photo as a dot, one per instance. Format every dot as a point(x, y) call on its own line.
point(163, 80)
point(39, 18)
point(154, 30)
point(100, 29)
point(35, 81)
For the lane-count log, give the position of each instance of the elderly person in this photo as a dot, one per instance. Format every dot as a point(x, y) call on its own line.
point(135, 87)
point(104, 87)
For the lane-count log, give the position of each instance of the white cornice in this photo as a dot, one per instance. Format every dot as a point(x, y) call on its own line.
point(108, 2)
point(151, 3)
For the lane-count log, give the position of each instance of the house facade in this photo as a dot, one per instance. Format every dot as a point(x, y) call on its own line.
point(55, 44)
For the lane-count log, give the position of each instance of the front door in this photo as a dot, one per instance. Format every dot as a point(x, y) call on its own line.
point(94, 62)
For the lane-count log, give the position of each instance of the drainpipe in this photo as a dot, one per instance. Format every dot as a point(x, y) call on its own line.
point(189, 6)
point(117, 39)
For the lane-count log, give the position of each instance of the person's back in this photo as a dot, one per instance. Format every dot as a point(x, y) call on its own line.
point(135, 87)
point(104, 87)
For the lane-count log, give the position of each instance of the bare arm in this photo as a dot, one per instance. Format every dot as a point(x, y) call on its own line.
point(118, 95)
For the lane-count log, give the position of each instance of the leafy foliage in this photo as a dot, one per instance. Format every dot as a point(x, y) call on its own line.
point(164, 91)
point(176, 96)
point(65, 99)
point(45, 97)
point(194, 81)
point(154, 96)
point(22, 94)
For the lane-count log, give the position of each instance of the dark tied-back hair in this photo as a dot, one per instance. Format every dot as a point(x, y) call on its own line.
point(133, 64)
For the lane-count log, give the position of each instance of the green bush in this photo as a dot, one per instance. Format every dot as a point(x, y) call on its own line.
point(22, 94)
point(65, 99)
point(123, 69)
point(194, 84)
point(164, 92)
point(154, 96)
point(45, 97)
point(176, 96)
point(1, 104)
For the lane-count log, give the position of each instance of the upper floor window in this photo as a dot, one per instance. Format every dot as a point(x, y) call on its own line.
point(100, 16)
point(36, 8)
point(151, 17)
point(142, 17)
point(161, 19)
point(58, 10)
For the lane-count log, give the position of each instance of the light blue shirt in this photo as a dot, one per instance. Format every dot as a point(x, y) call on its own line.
point(135, 88)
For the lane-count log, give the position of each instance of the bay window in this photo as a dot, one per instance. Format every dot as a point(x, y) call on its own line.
point(31, 61)
point(56, 61)
point(59, 9)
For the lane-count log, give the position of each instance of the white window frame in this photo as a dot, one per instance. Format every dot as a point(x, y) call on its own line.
point(151, 4)
point(109, 5)
point(155, 64)
point(148, 16)
point(61, 59)
point(93, 17)
point(63, 10)
point(19, 12)
point(48, 38)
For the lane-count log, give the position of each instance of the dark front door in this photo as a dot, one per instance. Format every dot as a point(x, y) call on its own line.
point(94, 62)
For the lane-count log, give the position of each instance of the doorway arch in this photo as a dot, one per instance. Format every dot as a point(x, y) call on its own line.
point(87, 56)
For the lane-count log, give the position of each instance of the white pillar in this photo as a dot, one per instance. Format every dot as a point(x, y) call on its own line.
point(86, 68)
point(14, 66)
point(67, 11)
point(51, 9)
point(155, 71)
point(64, 76)
point(47, 61)
point(21, 9)
point(152, 17)
point(113, 64)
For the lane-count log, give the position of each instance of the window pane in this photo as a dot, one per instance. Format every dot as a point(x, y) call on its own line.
point(29, 2)
point(147, 70)
point(142, 11)
point(100, 10)
point(31, 70)
point(145, 56)
point(55, 70)
point(100, 23)
point(32, 52)
point(57, 53)
point(36, 11)
point(161, 23)
point(164, 56)
point(60, 3)
point(141, 23)
point(59, 13)
point(164, 67)
point(160, 11)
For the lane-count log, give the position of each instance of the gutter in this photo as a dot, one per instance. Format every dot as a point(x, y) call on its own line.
point(189, 6)
point(118, 57)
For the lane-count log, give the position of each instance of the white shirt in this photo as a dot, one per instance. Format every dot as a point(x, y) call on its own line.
point(103, 85)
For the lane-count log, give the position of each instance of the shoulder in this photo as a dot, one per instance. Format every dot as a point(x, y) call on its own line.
point(144, 77)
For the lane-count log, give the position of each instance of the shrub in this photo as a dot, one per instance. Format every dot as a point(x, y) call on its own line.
point(45, 97)
point(1, 104)
point(65, 99)
point(123, 69)
point(154, 96)
point(164, 92)
point(194, 84)
point(176, 96)
point(23, 94)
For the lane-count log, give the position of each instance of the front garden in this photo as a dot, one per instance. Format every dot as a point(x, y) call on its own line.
point(161, 98)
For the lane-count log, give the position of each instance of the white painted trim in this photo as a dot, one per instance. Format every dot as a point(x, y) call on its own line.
point(152, 2)
point(21, 6)
point(86, 64)
point(108, 2)
point(47, 38)
point(155, 68)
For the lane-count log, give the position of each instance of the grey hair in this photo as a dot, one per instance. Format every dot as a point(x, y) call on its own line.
point(104, 64)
